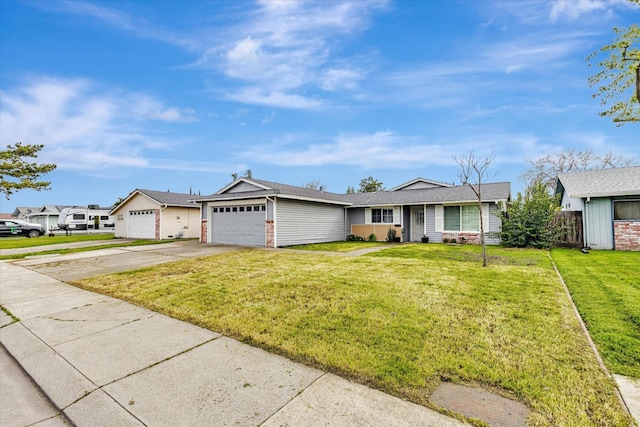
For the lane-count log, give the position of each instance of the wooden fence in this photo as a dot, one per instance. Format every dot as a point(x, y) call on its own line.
point(571, 225)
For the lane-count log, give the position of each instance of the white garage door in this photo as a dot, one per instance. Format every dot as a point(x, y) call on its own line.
point(142, 224)
point(238, 225)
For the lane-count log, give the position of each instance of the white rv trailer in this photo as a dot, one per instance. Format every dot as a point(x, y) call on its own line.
point(84, 218)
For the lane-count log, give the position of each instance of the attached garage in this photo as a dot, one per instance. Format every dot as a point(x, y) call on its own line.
point(159, 215)
point(238, 224)
point(142, 224)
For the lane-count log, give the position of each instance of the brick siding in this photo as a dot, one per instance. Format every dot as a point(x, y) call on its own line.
point(157, 224)
point(203, 231)
point(468, 237)
point(270, 235)
point(627, 235)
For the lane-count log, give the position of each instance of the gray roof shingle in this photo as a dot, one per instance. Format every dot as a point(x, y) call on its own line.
point(600, 183)
point(460, 193)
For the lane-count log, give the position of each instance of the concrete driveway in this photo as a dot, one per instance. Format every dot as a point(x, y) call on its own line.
point(112, 260)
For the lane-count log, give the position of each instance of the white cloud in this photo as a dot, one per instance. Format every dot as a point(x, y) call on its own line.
point(83, 127)
point(255, 95)
point(287, 48)
point(573, 9)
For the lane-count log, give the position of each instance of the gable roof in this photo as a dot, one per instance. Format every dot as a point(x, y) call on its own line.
point(600, 183)
point(491, 192)
point(420, 183)
point(443, 194)
point(270, 189)
point(162, 198)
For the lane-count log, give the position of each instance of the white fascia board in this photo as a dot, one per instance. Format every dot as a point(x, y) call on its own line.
point(311, 199)
point(129, 197)
point(607, 194)
point(240, 180)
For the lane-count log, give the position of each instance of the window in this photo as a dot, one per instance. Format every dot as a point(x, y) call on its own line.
point(382, 216)
point(627, 210)
point(234, 209)
point(78, 216)
point(241, 208)
point(227, 209)
point(462, 218)
point(104, 217)
point(256, 208)
point(215, 210)
point(420, 217)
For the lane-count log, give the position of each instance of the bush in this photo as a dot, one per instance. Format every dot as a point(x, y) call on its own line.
point(372, 237)
point(354, 238)
point(391, 235)
point(528, 221)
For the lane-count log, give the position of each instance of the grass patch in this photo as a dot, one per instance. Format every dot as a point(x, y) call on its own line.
point(337, 246)
point(402, 320)
point(85, 249)
point(24, 242)
point(605, 286)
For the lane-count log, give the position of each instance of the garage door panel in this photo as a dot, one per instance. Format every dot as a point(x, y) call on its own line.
point(142, 224)
point(238, 227)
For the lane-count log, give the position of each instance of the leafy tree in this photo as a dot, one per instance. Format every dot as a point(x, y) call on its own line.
point(547, 168)
point(16, 173)
point(619, 75)
point(315, 185)
point(528, 222)
point(370, 185)
point(473, 171)
point(350, 190)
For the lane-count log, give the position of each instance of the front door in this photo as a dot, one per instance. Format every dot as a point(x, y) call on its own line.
point(417, 223)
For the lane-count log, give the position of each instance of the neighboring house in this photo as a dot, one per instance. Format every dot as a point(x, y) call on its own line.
point(262, 213)
point(23, 213)
point(47, 216)
point(610, 203)
point(159, 215)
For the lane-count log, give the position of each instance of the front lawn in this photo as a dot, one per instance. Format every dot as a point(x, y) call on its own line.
point(402, 319)
point(337, 246)
point(605, 286)
point(25, 242)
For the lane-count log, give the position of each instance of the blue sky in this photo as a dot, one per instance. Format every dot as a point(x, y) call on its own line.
point(178, 95)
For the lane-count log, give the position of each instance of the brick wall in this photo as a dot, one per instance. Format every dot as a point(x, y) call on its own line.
point(203, 231)
point(626, 235)
point(469, 237)
point(270, 236)
point(158, 224)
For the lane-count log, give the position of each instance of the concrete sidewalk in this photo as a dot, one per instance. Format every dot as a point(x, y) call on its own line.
point(105, 362)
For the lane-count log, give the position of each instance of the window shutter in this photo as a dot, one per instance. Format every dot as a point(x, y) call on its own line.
point(367, 215)
point(439, 218)
point(485, 217)
point(396, 215)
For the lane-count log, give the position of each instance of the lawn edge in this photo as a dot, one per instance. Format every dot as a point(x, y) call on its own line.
point(585, 331)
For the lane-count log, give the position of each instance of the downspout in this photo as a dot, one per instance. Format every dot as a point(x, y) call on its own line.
point(585, 244)
point(424, 219)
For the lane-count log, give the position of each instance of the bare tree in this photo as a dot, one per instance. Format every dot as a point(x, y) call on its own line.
point(547, 168)
point(315, 185)
point(474, 170)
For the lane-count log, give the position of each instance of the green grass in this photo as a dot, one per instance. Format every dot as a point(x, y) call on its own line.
point(402, 319)
point(338, 246)
point(85, 249)
point(605, 286)
point(24, 242)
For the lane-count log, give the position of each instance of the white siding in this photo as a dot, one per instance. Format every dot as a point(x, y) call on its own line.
point(300, 222)
point(243, 187)
point(598, 218)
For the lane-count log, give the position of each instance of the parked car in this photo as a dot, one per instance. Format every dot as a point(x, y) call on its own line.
point(16, 227)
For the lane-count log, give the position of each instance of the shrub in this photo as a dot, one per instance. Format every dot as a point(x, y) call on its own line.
point(354, 238)
point(528, 222)
point(391, 235)
point(372, 237)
